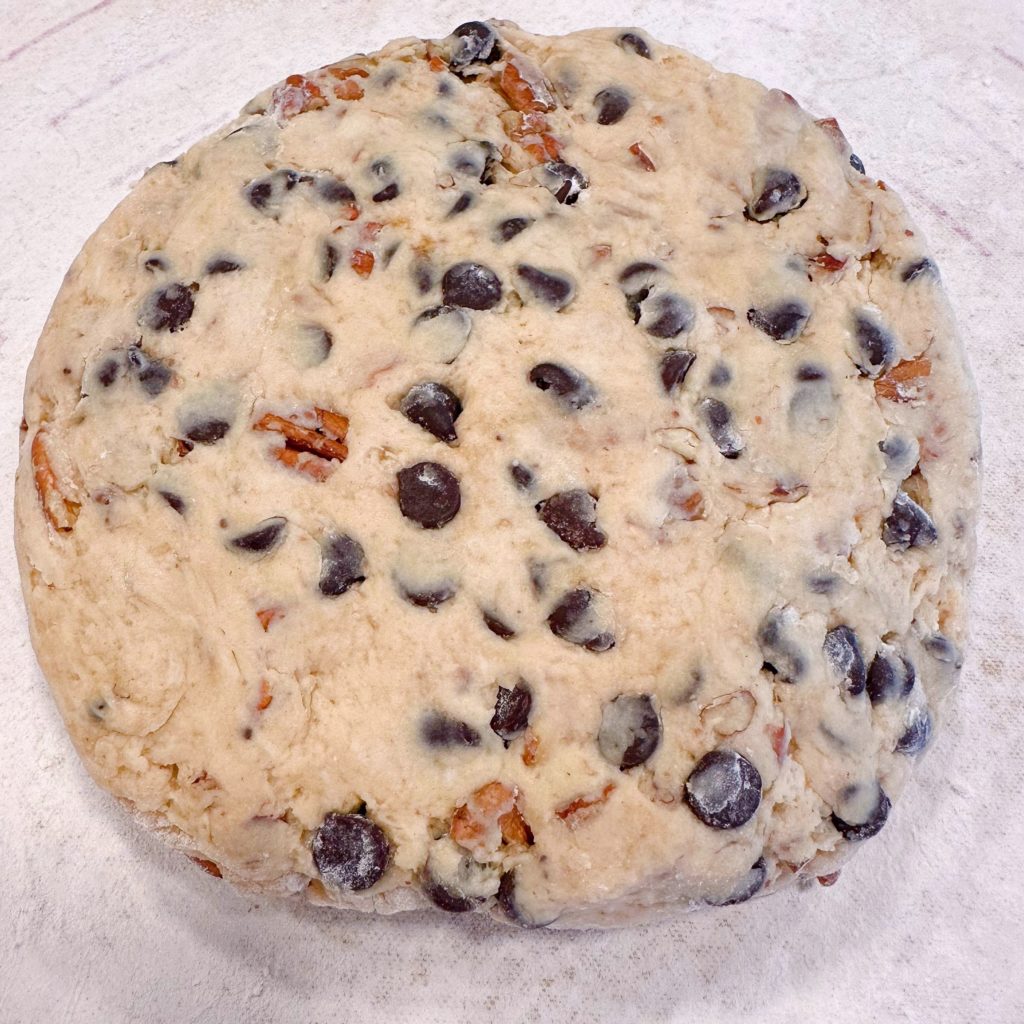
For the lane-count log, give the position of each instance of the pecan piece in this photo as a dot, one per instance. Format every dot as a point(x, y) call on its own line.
point(61, 511)
point(525, 88)
point(642, 158)
point(295, 95)
point(325, 441)
point(490, 817)
point(905, 381)
point(582, 808)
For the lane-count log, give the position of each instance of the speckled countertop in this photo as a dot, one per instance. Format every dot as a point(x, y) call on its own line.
point(101, 923)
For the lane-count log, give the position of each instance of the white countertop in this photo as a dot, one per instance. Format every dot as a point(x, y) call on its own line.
point(101, 923)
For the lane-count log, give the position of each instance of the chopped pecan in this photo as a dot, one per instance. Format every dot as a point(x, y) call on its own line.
point(295, 95)
point(531, 744)
point(362, 262)
point(642, 158)
point(827, 261)
point(829, 879)
point(300, 439)
point(269, 615)
point(207, 865)
point(345, 73)
point(490, 817)
point(266, 697)
point(905, 381)
point(350, 89)
point(582, 808)
point(525, 87)
point(60, 509)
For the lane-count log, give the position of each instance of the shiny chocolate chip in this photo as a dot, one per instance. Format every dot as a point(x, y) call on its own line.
point(431, 597)
point(856, 831)
point(263, 538)
point(675, 365)
point(342, 564)
point(908, 525)
point(471, 285)
point(718, 420)
point(777, 192)
point(549, 287)
point(842, 652)
point(433, 407)
point(576, 619)
point(207, 430)
point(511, 712)
point(612, 105)
point(429, 494)
point(891, 677)
point(569, 386)
point(784, 322)
point(497, 626)
point(874, 344)
point(475, 42)
point(510, 227)
point(564, 181)
point(633, 42)
point(572, 517)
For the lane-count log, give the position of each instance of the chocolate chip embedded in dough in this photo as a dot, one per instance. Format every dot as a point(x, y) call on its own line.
point(471, 286)
point(511, 712)
point(433, 407)
point(783, 323)
point(776, 192)
point(633, 42)
point(630, 730)
point(342, 564)
point(263, 538)
point(612, 105)
point(350, 851)
point(167, 309)
point(440, 730)
point(572, 517)
point(723, 790)
point(429, 494)
point(856, 831)
point(842, 652)
point(569, 386)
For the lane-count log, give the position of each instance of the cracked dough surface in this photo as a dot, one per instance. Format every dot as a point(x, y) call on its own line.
point(688, 316)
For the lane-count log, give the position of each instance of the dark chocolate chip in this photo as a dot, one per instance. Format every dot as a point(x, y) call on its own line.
point(908, 525)
point(387, 193)
point(917, 734)
point(522, 476)
point(891, 676)
point(342, 564)
point(109, 370)
point(639, 272)
point(382, 168)
point(497, 627)
point(675, 365)
point(783, 656)
point(866, 829)
point(574, 619)
point(509, 228)
point(320, 343)
point(633, 42)
point(328, 260)
point(553, 289)
point(262, 538)
point(475, 42)
point(207, 431)
point(350, 851)
point(751, 884)
point(510, 906)
point(661, 314)
point(564, 181)
point(778, 192)
point(423, 277)
point(433, 407)
point(167, 309)
point(612, 105)
point(175, 501)
point(719, 376)
point(822, 583)
point(477, 160)
point(569, 386)
point(784, 322)
point(428, 494)
point(430, 598)
point(630, 730)
point(511, 712)
point(941, 648)
point(471, 285)
point(156, 263)
point(842, 651)
point(810, 372)
point(260, 192)
point(447, 898)
point(572, 517)
point(461, 204)
point(724, 789)
point(919, 268)
point(875, 345)
point(223, 265)
point(334, 190)
point(718, 419)
point(152, 375)
point(439, 730)
point(856, 163)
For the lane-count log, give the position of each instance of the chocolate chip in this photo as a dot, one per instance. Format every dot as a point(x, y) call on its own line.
point(328, 260)
point(866, 829)
point(334, 190)
point(777, 192)
point(167, 309)
point(445, 329)
point(719, 376)
point(856, 163)
point(570, 386)
point(428, 494)
point(908, 525)
point(423, 277)
point(782, 654)
point(207, 430)
point(475, 42)
point(156, 263)
point(724, 789)
point(175, 501)
point(751, 884)
point(522, 476)
point(661, 314)
point(640, 272)
point(461, 204)
point(430, 598)
point(890, 677)
point(564, 181)
point(842, 651)
point(822, 583)
point(553, 289)
point(718, 419)
point(633, 42)
point(387, 193)
point(342, 564)
point(477, 160)
point(262, 538)
point(917, 734)
point(511, 712)
point(875, 345)
point(675, 365)
point(446, 898)
point(612, 105)
point(259, 193)
point(223, 265)
point(572, 517)
point(318, 343)
point(506, 899)
point(497, 627)
point(810, 372)
point(630, 730)
point(350, 851)
point(509, 228)
point(941, 648)
point(919, 268)
point(784, 322)
point(152, 375)
point(433, 407)
point(471, 285)
point(575, 619)
point(108, 372)
point(439, 730)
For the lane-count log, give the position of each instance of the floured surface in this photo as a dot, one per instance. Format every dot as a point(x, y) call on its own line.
point(708, 442)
